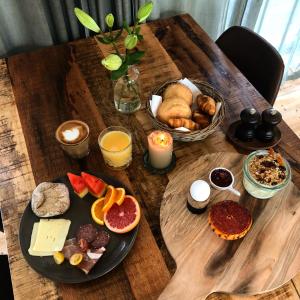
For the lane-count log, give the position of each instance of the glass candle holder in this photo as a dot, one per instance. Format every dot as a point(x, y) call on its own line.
point(73, 137)
point(115, 143)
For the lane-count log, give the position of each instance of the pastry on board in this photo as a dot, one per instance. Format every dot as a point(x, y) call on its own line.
point(179, 90)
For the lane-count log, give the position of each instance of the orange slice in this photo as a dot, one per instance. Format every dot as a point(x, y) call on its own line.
point(109, 198)
point(120, 196)
point(96, 211)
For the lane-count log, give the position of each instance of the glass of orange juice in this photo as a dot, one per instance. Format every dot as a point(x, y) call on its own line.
point(116, 146)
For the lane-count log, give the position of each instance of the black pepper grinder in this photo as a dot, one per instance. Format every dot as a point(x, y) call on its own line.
point(270, 118)
point(250, 118)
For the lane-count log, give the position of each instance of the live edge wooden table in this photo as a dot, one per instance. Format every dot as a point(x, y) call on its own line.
point(39, 90)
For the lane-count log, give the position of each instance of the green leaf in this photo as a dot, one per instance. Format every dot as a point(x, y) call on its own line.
point(125, 25)
point(109, 20)
point(130, 41)
point(144, 11)
point(86, 20)
point(104, 40)
point(137, 30)
point(120, 72)
point(140, 37)
point(134, 58)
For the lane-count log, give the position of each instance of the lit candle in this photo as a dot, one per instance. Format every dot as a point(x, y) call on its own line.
point(160, 149)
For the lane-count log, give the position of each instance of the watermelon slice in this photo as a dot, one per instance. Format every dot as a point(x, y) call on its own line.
point(78, 185)
point(95, 185)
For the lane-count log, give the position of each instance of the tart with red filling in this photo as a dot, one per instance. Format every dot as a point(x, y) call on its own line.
point(229, 220)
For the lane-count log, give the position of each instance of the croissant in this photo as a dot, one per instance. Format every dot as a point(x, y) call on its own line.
point(201, 119)
point(183, 122)
point(206, 104)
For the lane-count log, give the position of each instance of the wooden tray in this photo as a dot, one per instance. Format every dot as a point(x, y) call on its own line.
point(267, 257)
point(255, 144)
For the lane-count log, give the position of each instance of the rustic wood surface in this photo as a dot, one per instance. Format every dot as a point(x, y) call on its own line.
point(263, 260)
point(41, 89)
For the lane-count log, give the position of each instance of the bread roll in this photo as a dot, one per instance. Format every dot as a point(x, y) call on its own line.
point(173, 108)
point(206, 104)
point(202, 120)
point(182, 122)
point(179, 90)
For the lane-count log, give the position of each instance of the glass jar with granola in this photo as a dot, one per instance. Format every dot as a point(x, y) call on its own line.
point(265, 173)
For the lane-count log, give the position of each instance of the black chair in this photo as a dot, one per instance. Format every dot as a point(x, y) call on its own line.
point(255, 57)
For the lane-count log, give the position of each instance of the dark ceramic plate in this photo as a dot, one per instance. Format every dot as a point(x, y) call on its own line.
point(255, 144)
point(79, 213)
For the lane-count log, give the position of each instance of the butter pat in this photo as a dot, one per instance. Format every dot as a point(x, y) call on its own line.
point(51, 235)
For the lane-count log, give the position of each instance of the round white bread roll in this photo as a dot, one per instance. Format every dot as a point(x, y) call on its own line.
point(173, 108)
point(50, 199)
point(179, 90)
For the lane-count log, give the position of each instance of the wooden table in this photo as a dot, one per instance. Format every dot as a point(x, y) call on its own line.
point(39, 90)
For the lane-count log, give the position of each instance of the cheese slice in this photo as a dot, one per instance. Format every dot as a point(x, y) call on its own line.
point(32, 242)
point(51, 235)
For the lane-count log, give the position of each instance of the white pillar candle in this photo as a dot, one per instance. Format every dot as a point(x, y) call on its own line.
point(160, 149)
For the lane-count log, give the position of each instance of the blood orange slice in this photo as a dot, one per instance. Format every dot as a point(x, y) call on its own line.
point(123, 218)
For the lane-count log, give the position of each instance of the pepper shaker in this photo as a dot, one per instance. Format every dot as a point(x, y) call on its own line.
point(270, 118)
point(250, 118)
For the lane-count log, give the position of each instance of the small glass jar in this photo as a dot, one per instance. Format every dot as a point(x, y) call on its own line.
point(258, 190)
point(127, 91)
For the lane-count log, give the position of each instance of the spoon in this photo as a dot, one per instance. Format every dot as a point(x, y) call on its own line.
point(229, 188)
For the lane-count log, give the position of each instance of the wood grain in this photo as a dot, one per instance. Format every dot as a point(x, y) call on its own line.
point(72, 99)
point(267, 257)
point(68, 81)
point(16, 185)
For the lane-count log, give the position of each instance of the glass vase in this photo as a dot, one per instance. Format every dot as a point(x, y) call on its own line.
point(127, 92)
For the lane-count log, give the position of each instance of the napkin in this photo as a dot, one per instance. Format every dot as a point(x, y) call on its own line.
point(191, 86)
point(155, 102)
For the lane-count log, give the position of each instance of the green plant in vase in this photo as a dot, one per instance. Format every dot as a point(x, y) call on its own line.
point(122, 65)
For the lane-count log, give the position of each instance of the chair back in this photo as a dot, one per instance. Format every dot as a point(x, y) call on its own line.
point(255, 57)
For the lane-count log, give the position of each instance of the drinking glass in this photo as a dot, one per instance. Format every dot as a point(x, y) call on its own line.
point(115, 143)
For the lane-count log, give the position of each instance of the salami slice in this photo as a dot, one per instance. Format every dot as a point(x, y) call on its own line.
point(86, 232)
point(101, 240)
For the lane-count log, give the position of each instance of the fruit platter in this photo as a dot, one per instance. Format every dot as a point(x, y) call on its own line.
point(78, 227)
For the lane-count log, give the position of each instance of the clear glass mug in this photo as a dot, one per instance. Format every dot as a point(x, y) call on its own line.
point(258, 190)
point(115, 143)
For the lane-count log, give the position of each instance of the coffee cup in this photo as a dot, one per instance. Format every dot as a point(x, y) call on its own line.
point(73, 137)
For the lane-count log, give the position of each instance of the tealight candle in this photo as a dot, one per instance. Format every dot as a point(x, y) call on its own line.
point(73, 136)
point(160, 145)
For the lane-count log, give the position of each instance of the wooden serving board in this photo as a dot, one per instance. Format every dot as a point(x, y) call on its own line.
point(267, 257)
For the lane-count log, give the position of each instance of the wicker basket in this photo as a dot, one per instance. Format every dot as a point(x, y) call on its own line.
point(195, 135)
